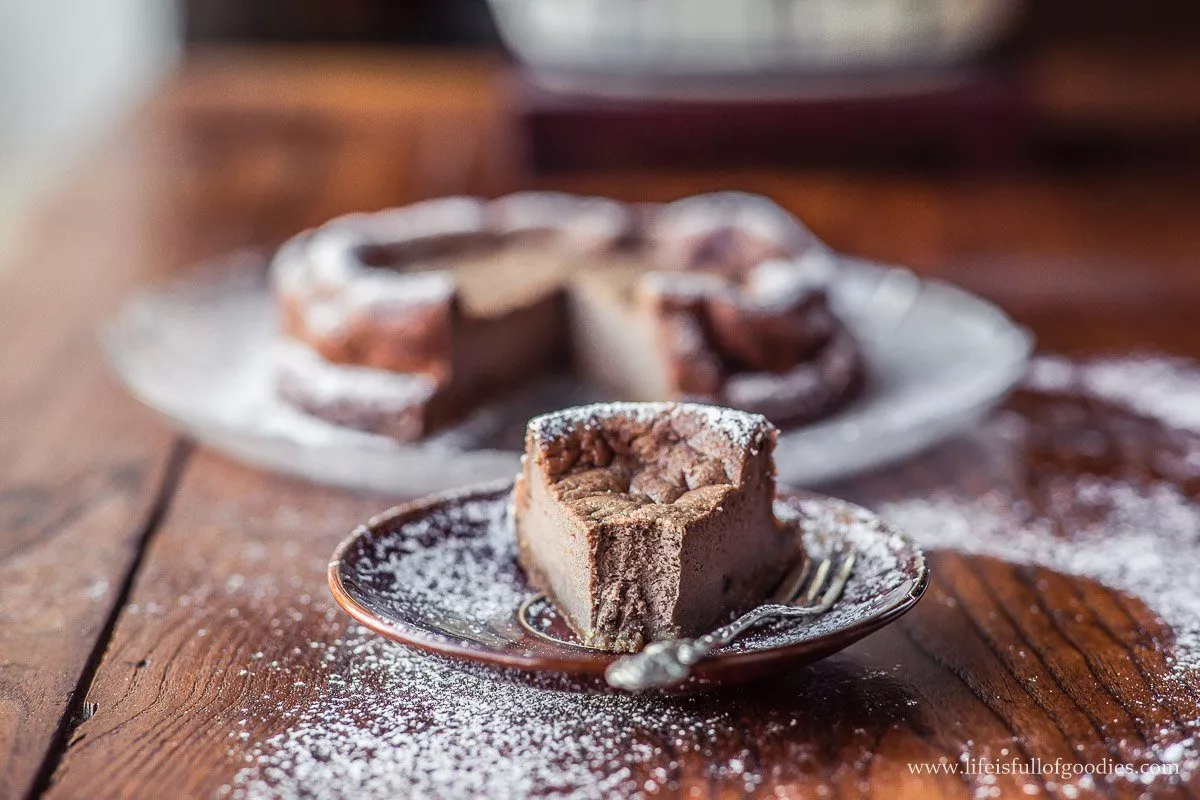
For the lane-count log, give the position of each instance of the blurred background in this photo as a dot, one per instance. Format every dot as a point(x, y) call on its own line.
point(69, 72)
point(974, 88)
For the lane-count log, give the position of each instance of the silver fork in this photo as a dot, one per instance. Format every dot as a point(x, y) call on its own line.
point(804, 592)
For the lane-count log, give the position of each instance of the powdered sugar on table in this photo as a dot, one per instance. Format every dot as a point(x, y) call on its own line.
point(392, 723)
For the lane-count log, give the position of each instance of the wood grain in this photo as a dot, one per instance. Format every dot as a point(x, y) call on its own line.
point(82, 468)
point(247, 148)
point(233, 578)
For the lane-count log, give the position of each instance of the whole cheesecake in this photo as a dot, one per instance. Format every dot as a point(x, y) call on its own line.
point(649, 521)
point(403, 321)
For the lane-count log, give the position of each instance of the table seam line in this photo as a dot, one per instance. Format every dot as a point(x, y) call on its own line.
point(74, 715)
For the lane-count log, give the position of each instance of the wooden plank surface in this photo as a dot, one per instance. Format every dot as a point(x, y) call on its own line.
point(82, 468)
point(229, 635)
point(236, 571)
point(234, 154)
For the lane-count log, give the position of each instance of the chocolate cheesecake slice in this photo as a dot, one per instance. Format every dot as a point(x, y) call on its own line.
point(648, 521)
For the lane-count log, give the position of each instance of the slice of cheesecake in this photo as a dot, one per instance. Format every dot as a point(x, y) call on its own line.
point(648, 521)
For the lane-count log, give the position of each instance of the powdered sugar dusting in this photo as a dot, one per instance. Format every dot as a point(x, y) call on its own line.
point(437, 732)
point(455, 565)
point(324, 382)
point(1144, 540)
point(690, 285)
point(321, 273)
point(780, 283)
point(439, 216)
point(1140, 539)
point(1163, 388)
point(393, 723)
point(585, 221)
point(427, 730)
point(754, 214)
point(1136, 534)
point(742, 429)
point(887, 568)
point(451, 572)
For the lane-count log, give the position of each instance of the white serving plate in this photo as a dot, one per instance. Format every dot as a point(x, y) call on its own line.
point(673, 39)
point(199, 352)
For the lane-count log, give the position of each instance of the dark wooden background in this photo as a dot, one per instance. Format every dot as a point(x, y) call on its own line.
point(108, 517)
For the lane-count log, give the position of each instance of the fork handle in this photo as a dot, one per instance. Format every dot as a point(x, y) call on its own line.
point(663, 664)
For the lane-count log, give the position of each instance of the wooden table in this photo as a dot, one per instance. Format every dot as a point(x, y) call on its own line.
point(122, 632)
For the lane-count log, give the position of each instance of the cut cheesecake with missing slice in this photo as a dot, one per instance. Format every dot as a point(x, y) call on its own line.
point(649, 521)
point(721, 298)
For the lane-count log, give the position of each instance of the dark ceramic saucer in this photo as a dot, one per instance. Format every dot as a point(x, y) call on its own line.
point(440, 574)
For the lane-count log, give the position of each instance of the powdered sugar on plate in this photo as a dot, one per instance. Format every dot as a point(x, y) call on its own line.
point(453, 567)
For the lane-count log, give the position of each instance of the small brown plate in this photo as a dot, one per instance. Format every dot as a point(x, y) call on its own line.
point(440, 574)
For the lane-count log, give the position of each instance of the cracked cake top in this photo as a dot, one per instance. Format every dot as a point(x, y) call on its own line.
point(646, 460)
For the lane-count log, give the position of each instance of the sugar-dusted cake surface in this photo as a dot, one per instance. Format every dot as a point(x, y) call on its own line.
point(646, 521)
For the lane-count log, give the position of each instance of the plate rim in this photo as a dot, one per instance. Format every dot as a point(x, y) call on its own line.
point(594, 665)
